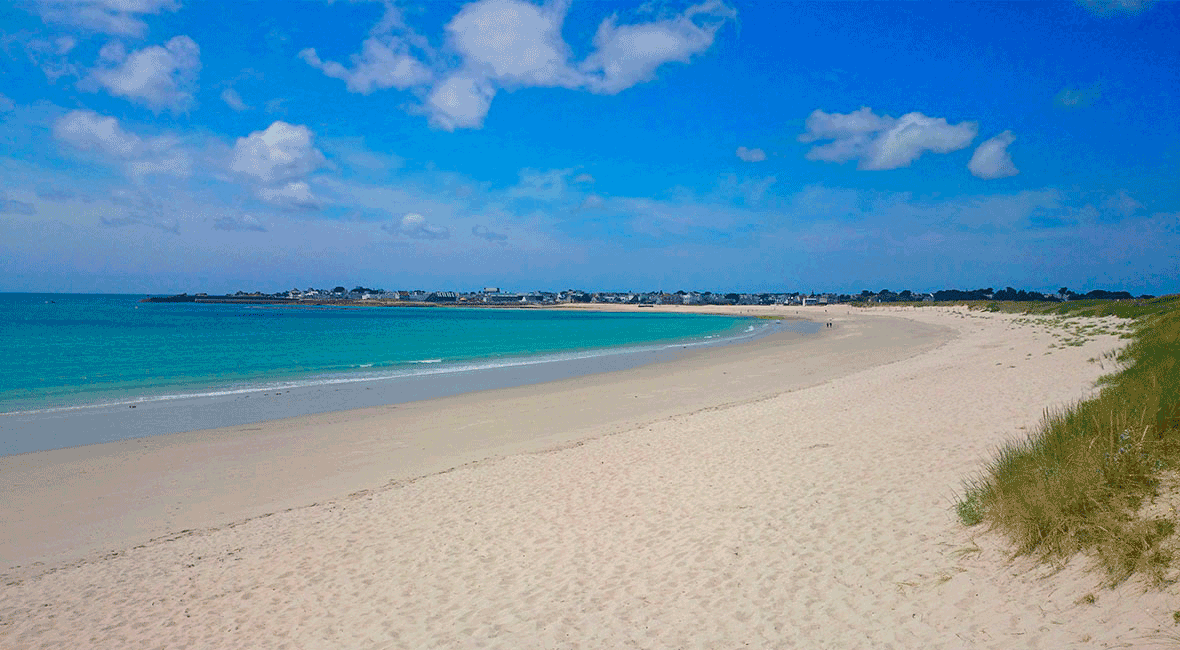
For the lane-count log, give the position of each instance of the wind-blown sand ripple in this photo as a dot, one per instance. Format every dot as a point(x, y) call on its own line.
point(818, 518)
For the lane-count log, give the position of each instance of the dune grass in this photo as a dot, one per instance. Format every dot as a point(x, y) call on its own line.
point(1084, 481)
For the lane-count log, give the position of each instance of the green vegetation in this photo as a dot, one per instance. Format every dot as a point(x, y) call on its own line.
point(1092, 478)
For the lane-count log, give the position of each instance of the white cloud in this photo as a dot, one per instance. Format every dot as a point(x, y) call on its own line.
point(483, 232)
point(157, 77)
point(295, 194)
point(90, 132)
point(1113, 7)
point(234, 100)
point(751, 155)
point(282, 153)
point(417, 227)
point(50, 55)
point(379, 65)
point(6, 104)
point(882, 142)
point(120, 17)
point(593, 202)
point(584, 178)
point(460, 102)
point(626, 55)
point(516, 43)
point(991, 159)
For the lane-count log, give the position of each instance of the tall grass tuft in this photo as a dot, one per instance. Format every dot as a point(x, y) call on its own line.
point(1077, 483)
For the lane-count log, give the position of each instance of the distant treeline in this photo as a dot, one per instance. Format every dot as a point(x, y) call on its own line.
point(1020, 295)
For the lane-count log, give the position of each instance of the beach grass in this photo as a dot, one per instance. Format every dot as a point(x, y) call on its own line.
point(1096, 478)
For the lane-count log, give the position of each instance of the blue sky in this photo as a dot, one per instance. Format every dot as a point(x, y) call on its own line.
point(172, 145)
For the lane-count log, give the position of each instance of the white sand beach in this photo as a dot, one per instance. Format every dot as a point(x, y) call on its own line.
point(788, 493)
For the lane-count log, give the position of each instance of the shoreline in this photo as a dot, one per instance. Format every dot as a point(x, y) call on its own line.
point(57, 428)
point(218, 475)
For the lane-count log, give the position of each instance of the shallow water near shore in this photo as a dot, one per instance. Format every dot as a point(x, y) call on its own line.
point(82, 369)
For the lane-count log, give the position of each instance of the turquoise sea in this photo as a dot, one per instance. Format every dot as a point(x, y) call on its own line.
point(63, 351)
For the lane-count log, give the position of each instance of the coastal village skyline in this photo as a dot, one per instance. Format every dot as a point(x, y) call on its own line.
point(495, 296)
point(161, 145)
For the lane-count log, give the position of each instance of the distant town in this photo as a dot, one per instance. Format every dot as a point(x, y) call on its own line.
point(494, 296)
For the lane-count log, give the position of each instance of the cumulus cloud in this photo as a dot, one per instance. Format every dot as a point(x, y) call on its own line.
point(12, 206)
point(460, 102)
point(991, 159)
point(102, 136)
point(751, 155)
point(626, 55)
point(159, 77)
point(118, 17)
point(417, 227)
point(516, 44)
point(296, 194)
point(245, 222)
point(882, 142)
point(380, 65)
point(234, 100)
point(483, 232)
point(279, 159)
point(89, 131)
point(386, 59)
point(283, 152)
point(1116, 7)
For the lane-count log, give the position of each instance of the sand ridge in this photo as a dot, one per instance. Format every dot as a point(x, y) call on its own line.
point(814, 518)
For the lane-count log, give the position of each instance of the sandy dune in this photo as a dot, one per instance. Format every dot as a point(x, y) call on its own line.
point(805, 503)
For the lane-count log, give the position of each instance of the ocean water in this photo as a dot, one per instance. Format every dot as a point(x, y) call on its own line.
point(67, 351)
